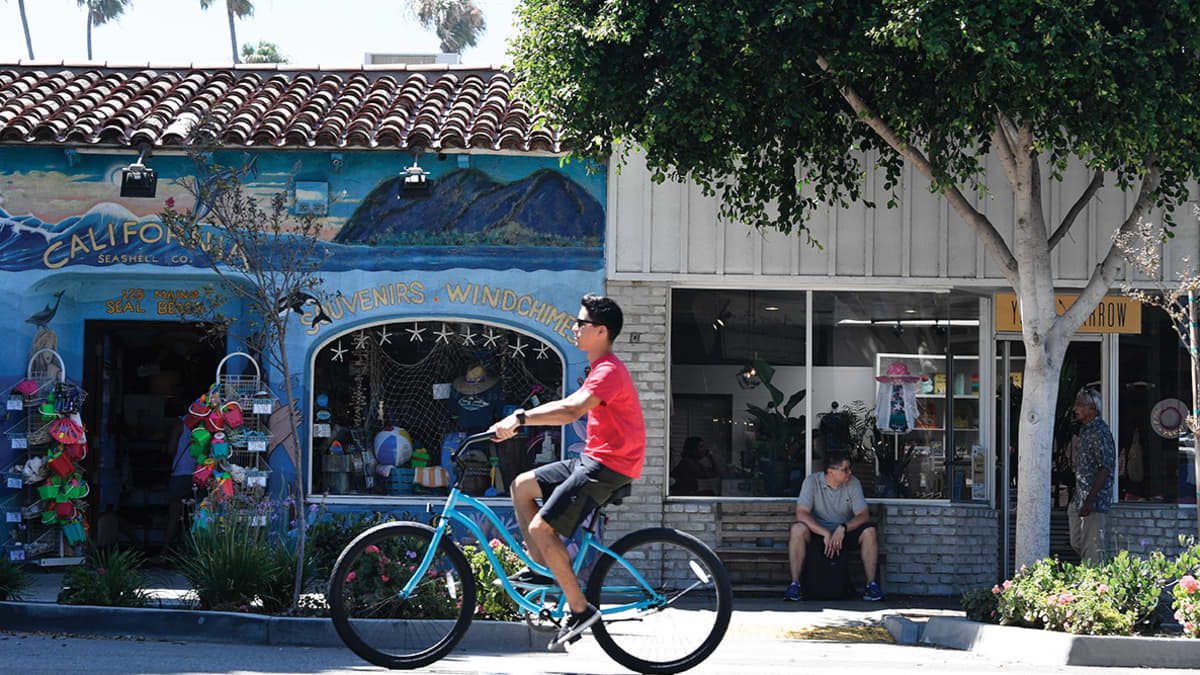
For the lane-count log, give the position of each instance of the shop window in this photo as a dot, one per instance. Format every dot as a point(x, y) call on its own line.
point(1154, 462)
point(901, 370)
point(720, 343)
point(389, 401)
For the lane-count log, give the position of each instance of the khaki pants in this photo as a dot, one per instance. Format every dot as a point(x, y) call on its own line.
point(1086, 533)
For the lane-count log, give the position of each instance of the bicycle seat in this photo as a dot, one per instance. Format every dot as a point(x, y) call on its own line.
point(617, 497)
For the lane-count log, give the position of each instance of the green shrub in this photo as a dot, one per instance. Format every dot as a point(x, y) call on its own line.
point(13, 579)
point(242, 561)
point(492, 601)
point(329, 534)
point(1187, 605)
point(980, 605)
point(108, 577)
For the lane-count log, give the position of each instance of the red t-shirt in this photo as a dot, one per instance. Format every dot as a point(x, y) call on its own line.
point(616, 432)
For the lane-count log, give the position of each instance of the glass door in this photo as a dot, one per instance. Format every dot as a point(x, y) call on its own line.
point(1082, 367)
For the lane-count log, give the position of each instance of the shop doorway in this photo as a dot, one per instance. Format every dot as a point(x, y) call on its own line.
point(1083, 366)
point(140, 376)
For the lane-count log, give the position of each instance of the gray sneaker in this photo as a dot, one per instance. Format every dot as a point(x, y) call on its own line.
point(574, 627)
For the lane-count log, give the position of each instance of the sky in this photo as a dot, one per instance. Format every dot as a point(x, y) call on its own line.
point(178, 32)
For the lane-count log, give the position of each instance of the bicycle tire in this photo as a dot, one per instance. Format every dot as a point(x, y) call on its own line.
point(378, 626)
point(678, 555)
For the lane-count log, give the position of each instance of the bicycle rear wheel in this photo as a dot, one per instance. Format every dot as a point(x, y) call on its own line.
point(364, 597)
point(680, 629)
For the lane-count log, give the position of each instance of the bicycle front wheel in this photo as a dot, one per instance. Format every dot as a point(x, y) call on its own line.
point(371, 617)
point(674, 620)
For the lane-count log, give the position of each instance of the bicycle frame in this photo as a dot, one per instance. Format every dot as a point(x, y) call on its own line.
point(452, 514)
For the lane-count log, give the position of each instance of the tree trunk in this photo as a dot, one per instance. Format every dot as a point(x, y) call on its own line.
point(1035, 438)
point(232, 31)
point(1194, 419)
point(301, 506)
point(89, 32)
point(25, 25)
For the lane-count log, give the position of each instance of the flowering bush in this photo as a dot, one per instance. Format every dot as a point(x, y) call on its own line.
point(1187, 605)
point(493, 601)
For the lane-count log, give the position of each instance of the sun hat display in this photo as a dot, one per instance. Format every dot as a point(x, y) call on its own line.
point(1168, 417)
point(475, 381)
point(898, 372)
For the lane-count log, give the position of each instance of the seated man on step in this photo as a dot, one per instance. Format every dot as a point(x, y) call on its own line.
point(831, 505)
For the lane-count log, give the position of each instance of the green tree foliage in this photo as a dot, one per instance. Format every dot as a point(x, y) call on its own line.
point(780, 106)
point(264, 52)
point(457, 23)
point(99, 12)
point(234, 9)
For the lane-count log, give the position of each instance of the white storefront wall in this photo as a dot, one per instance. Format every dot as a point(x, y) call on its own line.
point(666, 236)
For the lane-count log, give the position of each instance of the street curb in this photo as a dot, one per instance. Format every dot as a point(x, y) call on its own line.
point(904, 630)
point(230, 627)
point(1050, 648)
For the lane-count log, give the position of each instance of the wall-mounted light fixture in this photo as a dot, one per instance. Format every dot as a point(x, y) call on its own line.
point(137, 179)
point(747, 377)
point(722, 316)
point(416, 181)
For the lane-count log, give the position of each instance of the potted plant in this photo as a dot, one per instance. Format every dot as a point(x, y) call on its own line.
point(778, 437)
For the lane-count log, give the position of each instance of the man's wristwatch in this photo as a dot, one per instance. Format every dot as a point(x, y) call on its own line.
point(520, 413)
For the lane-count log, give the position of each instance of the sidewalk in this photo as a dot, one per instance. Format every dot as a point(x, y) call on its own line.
point(754, 618)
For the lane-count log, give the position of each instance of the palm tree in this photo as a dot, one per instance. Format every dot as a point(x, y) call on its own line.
point(25, 25)
point(100, 12)
point(457, 23)
point(235, 9)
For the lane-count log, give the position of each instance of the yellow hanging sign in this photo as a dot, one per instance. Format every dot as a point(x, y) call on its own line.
point(1114, 314)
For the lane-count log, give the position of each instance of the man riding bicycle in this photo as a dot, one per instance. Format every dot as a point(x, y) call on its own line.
point(569, 489)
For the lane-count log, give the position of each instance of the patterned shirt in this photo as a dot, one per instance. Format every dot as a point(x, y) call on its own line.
point(1095, 449)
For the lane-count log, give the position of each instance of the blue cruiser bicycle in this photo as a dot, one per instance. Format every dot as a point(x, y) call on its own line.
point(402, 594)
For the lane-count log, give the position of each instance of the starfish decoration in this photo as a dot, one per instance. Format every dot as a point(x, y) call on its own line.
point(518, 349)
point(339, 352)
point(385, 338)
point(490, 338)
point(360, 340)
point(468, 337)
point(542, 351)
point(415, 333)
point(443, 335)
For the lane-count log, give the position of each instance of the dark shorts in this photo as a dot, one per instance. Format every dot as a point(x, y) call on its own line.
point(179, 488)
point(850, 541)
point(571, 488)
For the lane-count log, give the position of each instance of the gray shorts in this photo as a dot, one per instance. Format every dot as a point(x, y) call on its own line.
point(572, 488)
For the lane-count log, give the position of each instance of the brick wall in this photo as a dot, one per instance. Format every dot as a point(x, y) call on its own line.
point(1143, 528)
point(645, 308)
point(940, 549)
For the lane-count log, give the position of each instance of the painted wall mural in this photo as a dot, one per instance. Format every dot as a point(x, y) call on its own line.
point(487, 212)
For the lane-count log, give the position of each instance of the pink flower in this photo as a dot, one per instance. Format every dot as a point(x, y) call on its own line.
point(1102, 589)
point(1064, 598)
point(384, 577)
point(1179, 616)
point(1189, 584)
point(1008, 584)
point(996, 590)
point(170, 202)
point(100, 571)
point(371, 549)
point(350, 577)
point(1188, 626)
point(495, 542)
point(1066, 626)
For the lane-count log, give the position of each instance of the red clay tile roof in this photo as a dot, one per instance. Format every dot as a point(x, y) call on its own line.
point(369, 107)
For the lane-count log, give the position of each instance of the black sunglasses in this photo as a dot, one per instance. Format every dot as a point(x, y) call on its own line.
point(582, 321)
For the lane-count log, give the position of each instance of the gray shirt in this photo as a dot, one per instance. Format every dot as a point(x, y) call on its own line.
point(831, 506)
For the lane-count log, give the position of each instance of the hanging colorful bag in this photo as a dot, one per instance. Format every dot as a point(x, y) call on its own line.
point(203, 472)
point(215, 421)
point(196, 413)
point(233, 414)
point(48, 490)
point(76, 488)
point(59, 463)
point(74, 532)
point(224, 485)
point(220, 446)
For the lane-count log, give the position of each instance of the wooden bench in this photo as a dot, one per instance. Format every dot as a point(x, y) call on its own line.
point(752, 539)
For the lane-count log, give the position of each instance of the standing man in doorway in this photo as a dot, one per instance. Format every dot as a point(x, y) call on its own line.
point(1095, 463)
point(569, 489)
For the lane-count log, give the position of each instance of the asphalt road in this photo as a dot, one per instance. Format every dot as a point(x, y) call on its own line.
point(42, 653)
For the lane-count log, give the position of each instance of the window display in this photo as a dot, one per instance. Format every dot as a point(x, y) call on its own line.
point(1154, 447)
point(392, 400)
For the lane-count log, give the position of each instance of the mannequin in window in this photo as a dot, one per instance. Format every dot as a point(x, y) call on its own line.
point(896, 404)
point(474, 399)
